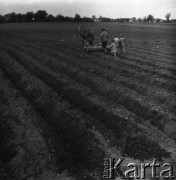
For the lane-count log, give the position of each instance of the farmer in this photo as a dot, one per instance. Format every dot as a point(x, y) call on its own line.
point(122, 43)
point(104, 39)
point(86, 35)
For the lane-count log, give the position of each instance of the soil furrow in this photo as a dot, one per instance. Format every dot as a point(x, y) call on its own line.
point(68, 121)
point(85, 107)
point(127, 72)
point(156, 61)
point(30, 148)
point(111, 117)
point(151, 112)
point(157, 94)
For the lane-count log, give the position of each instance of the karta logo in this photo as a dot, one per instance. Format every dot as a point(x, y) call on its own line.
point(112, 169)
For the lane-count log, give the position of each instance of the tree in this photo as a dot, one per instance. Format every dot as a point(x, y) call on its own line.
point(139, 19)
point(100, 18)
point(68, 19)
point(50, 18)
point(60, 18)
point(77, 18)
point(168, 16)
point(10, 18)
point(2, 19)
point(158, 20)
point(40, 16)
point(29, 16)
point(93, 17)
point(104, 19)
point(19, 17)
point(145, 19)
point(150, 18)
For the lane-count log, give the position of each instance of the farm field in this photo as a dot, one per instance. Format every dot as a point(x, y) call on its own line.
point(63, 111)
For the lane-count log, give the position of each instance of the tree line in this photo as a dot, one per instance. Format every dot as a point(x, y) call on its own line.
point(43, 16)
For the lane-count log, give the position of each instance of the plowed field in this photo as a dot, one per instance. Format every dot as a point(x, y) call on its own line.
point(63, 111)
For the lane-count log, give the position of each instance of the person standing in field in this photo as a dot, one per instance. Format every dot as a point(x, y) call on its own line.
point(117, 40)
point(104, 39)
point(122, 43)
point(113, 47)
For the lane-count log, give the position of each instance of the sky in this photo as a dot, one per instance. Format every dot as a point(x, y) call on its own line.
point(105, 8)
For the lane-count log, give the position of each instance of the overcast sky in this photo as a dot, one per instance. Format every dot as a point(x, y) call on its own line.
point(106, 8)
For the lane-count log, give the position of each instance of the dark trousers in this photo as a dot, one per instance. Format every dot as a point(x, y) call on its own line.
point(104, 44)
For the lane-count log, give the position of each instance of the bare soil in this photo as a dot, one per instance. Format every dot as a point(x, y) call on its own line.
point(63, 111)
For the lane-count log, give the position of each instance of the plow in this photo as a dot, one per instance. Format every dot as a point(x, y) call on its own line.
point(93, 48)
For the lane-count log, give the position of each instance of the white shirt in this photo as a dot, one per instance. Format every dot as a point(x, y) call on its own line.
point(116, 39)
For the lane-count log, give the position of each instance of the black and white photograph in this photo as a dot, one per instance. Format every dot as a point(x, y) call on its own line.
point(87, 89)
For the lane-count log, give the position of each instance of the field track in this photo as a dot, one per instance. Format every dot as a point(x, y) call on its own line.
point(85, 107)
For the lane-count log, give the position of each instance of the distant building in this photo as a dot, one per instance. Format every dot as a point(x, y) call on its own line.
point(154, 20)
point(173, 20)
point(132, 19)
point(96, 20)
point(160, 20)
